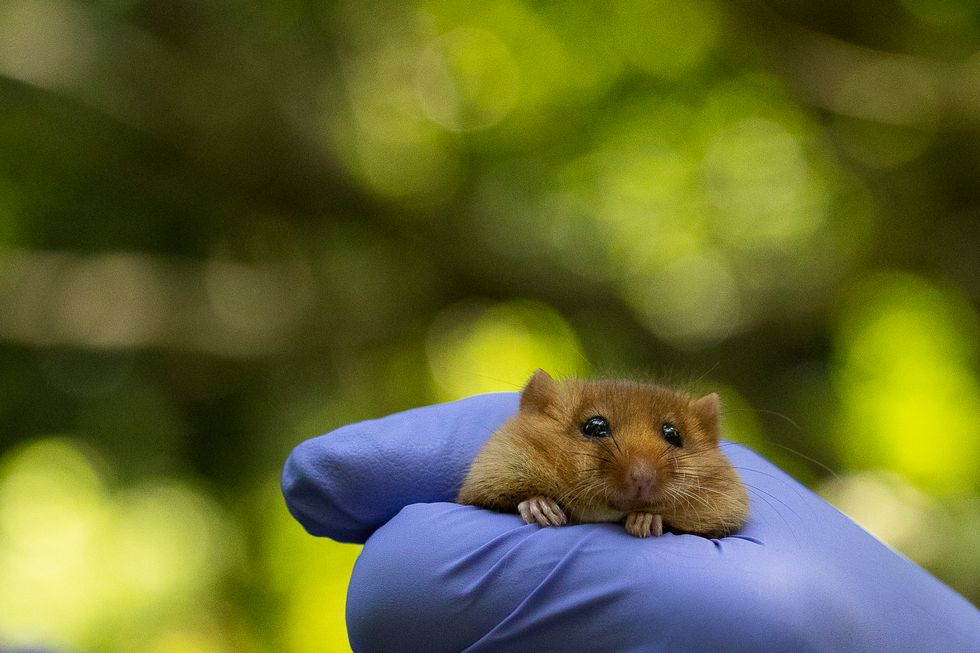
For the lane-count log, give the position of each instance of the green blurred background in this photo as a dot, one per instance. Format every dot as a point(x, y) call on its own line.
point(227, 226)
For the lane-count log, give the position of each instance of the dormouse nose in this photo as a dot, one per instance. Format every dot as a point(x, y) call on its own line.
point(642, 479)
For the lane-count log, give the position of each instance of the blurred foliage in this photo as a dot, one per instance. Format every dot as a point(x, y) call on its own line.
point(229, 226)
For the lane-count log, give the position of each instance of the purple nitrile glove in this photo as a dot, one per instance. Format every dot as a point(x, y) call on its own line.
point(438, 576)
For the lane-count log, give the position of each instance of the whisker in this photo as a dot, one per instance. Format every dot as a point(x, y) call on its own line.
point(767, 412)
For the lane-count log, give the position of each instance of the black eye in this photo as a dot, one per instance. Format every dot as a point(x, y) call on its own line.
point(672, 435)
point(596, 427)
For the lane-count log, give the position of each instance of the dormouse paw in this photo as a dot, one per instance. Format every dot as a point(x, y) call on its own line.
point(644, 524)
point(542, 511)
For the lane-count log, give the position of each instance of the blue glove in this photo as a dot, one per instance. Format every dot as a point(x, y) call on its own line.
point(438, 576)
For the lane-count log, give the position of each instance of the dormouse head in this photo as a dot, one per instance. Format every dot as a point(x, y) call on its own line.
point(638, 446)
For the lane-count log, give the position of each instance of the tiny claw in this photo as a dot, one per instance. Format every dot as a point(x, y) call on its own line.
point(644, 524)
point(542, 511)
point(657, 528)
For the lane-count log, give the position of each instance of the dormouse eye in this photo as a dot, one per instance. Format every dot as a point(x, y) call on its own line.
point(596, 427)
point(672, 435)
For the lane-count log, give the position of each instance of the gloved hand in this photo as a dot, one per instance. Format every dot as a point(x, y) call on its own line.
point(438, 576)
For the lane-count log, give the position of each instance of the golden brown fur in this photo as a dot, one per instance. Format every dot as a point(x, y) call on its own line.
point(541, 451)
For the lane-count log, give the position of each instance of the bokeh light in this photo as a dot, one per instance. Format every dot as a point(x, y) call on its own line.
point(476, 348)
point(382, 133)
point(906, 366)
point(48, 43)
point(710, 212)
point(467, 80)
point(86, 566)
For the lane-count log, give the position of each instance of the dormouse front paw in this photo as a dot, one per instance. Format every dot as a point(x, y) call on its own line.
point(644, 524)
point(542, 511)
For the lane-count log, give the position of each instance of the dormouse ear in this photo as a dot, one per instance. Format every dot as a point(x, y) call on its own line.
point(708, 410)
point(539, 392)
